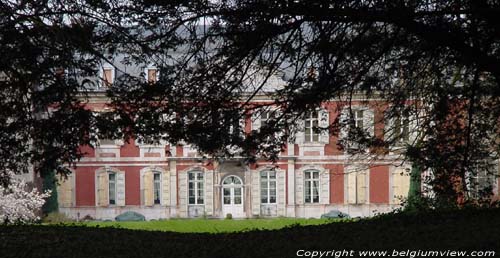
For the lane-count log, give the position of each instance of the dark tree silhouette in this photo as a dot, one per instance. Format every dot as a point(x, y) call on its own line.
point(435, 62)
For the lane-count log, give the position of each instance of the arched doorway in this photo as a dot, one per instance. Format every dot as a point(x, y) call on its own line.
point(232, 196)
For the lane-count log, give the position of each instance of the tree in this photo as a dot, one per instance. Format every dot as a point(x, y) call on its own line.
point(433, 61)
point(18, 203)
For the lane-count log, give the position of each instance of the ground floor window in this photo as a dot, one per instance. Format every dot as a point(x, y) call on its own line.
point(311, 186)
point(268, 187)
point(195, 184)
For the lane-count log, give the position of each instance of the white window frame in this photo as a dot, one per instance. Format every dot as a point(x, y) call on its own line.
point(310, 181)
point(114, 187)
point(196, 189)
point(267, 181)
point(159, 187)
point(146, 73)
point(102, 83)
point(309, 119)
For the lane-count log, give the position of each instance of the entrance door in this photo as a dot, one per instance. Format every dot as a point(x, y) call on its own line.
point(232, 197)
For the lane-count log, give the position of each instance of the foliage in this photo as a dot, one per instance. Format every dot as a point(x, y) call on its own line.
point(434, 61)
point(18, 203)
point(49, 184)
point(452, 230)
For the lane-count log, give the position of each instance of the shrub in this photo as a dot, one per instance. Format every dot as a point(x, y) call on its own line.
point(56, 217)
point(229, 216)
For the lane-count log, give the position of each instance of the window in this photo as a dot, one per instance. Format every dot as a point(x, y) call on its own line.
point(311, 186)
point(195, 181)
point(108, 74)
point(401, 129)
point(358, 119)
point(264, 118)
point(156, 187)
point(481, 184)
point(112, 188)
point(152, 75)
point(268, 187)
point(311, 127)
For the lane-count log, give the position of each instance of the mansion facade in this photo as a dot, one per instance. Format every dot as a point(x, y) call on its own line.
point(313, 175)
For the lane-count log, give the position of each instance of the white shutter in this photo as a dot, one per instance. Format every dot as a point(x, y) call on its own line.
point(413, 128)
point(209, 192)
point(256, 193)
point(256, 120)
point(368, 121)
point(351, 186)
point(324, 123)
point(344, 123)
point(120, 188)
point(165, 188)
point(389, 123)
point(299, 187)
point(281, 197)
point(241, 124)
point(361, 187)
point(147, 191)
point(325, 187)
point(102, 189)
point(300, 133)
point(277, 115)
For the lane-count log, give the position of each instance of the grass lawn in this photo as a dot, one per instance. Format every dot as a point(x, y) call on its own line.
point(209, 225)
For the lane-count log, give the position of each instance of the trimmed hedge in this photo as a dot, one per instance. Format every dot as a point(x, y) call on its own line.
point(455, 230)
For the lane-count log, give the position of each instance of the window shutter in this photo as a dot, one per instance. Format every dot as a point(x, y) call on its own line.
point(300, 188)
point(324, 123)
point(300, 133)
point(102, 189)
point(344, 123)
point(147, 181)
point(277, 115)
point(65, 191)
point(209, 192)
point(280, 189)
point(351, 187)
point(241, 124)
point(368, 121)
point(120, 188)
point(389, 132)
point(256, 120)
point(256, 193)
point(165, 188)
point(361, 187)
point(401, 184)
point(413, 128)
point(325, 187)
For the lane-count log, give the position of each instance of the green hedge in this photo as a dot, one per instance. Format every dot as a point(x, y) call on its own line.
point(455, 230)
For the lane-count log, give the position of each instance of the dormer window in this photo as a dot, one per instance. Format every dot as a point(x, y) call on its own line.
point(108, 76)
point(152, 75)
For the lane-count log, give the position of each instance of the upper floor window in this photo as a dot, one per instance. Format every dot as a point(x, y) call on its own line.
point(311, 186)
point(268, 187)
point(151, 75)
point(112, 188)
point(311, 127)
point(195, 187)
point(358, 118)
point(402, 129)
point(108, 76)
point(265, 116)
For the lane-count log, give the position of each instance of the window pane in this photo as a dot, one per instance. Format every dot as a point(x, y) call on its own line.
point(237, 200)
point(272, 199)
point(315, 174)
point(227, 192)
point(191, 175)
point(307, 175)
point(237, 191)
point(191, 200)
point(272, 175)
point(227, 200)
point(200, 176)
